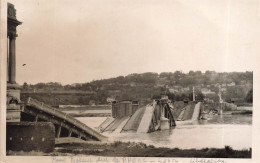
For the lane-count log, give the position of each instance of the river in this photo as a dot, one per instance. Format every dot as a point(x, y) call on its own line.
point(217, 132)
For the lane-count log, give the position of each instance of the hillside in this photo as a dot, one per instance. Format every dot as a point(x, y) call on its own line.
point(177, 85)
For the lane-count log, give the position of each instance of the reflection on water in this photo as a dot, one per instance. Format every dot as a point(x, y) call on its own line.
point(231, 119)
point(232, 130)
point(222, 119)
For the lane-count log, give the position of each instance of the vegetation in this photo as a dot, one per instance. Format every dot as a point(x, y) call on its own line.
point(131, 149)
point(249, 96)
point(177, 85)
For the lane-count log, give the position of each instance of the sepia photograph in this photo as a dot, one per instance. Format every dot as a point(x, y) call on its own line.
point(130, 81)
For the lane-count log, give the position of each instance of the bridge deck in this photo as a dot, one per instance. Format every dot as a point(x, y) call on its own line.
point(63, 120)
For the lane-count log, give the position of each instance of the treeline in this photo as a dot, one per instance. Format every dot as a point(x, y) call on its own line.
point(151, 85)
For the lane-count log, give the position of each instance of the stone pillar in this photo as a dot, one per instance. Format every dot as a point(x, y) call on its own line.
point(12, 34)
point(12, 60)
point(13, 89)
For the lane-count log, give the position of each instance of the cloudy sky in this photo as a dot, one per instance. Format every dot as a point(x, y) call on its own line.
point(76, 41)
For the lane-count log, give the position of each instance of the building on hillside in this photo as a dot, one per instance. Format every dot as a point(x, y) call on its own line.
point(172, 90)
point(208, 100)
point(206, 91)
point(237, 100)
point(223, 89)
point(165, 97)
point(186, 89)
point(110, 99)
point(175, 89)
point(231, 84)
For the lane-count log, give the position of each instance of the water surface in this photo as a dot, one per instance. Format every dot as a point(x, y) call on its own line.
point(217, 132)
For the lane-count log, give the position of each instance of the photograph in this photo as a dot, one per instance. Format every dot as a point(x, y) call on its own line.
point(130, 81)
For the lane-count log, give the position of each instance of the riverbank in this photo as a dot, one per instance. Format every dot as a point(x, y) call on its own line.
point(130, 149)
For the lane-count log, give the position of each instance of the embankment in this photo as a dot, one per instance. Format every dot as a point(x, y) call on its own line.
point(121, 149)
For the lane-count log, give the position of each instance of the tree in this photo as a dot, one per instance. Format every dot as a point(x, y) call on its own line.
point(249, 96)
point(156, 96)
point(171, 96)
point(191, 96)
point(200, 97)
point(25, 86)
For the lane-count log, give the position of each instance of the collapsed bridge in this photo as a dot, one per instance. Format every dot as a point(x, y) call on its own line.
point(65, 125)
point(127, 117)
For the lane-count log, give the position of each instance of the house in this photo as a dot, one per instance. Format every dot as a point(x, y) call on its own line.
point(172, 90)
point(164, 97)
point(206, 91)
point(237, 100)
point(186, 89)
point(110, 99)
point(231, 84)
point(175, 89)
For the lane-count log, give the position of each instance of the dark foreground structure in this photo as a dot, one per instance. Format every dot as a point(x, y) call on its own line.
point(128, 149)
point(24, 136)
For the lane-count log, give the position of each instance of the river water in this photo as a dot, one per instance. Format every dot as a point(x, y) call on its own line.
point(217, 132)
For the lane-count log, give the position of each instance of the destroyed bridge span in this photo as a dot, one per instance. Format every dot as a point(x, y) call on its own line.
point(65, 125)
point(127, 117)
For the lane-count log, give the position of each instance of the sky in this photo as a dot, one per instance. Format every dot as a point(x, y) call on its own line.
point(77, 41)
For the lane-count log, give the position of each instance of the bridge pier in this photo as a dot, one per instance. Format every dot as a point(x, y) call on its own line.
point(28, 136)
